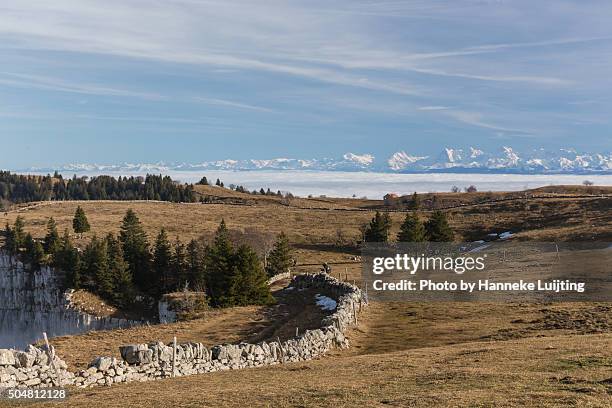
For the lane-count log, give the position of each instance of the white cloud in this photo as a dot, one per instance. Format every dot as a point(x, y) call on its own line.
point(62, 85)
point(232, 104)
point(407, 56)
point(432, 108)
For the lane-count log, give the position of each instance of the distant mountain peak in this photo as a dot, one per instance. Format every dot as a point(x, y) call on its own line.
point(504, 160)
point(363, 159)
point(402, 160)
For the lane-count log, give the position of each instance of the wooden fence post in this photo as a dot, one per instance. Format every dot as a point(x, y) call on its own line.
point(52, 359)
point(281, 350)
point(174, 357)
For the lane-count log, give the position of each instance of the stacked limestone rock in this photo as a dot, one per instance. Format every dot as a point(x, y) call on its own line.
point(31, 368)
point(144, 362)
point(278, 277)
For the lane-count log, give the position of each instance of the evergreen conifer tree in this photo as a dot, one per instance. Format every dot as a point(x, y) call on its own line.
point(196, 272)
point(412, 229)
point(34, 252)
point(52, 238)
point(162, 256)
point(9, 240)
point(250, 282)
point(19, 233)
point(178, 265)
point(279, 260)
point(415, 202)
point(67, 259)
point(136, 251)
point(97, 275)
point(120, 272)
point(378, 229)
point(438, 229)
point(80, 224)
point(219, 259)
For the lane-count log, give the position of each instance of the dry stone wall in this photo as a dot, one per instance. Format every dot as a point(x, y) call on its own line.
point(146, 362)
point(279, 277)
point(33, 367)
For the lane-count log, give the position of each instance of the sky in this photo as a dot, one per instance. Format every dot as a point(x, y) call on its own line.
point(190, 81)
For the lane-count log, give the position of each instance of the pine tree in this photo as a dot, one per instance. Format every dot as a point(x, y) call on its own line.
point(120, 272)
point(80, 224)
point(415, 202)
point(279, 260)
point(438, 229)
point(97, 275)
point(136, 251)
point(178, 265)
point(67, 259)
point(196, 272)
point(19, 233)
point(219, 258)
point(412, 229)
point(9, 240)
point(249, 285)
point(34, 252)
point(162, 255)
point(52, 238)
point(378, 230)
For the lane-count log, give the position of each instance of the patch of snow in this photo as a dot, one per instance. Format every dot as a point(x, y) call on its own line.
point(480, 248)
point(326, 303)
point(506, 235)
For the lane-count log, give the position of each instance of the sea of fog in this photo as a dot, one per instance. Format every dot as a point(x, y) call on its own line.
point(371, 185)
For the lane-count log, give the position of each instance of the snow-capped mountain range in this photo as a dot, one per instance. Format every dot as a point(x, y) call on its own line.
point(504, 160)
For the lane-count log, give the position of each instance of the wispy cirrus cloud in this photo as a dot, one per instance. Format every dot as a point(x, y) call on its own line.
point(232, 104)
point(370, 70)
point(62, 85)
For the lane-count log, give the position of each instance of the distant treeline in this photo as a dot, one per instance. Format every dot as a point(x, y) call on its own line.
point(241, 189)
point(18, 188)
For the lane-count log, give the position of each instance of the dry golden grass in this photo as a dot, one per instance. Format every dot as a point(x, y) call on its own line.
point(396, 326)
point(315, 229)
point(403, 354)
point(218, 326)
point(212, 327)
point(192, 220)
point(536, 372)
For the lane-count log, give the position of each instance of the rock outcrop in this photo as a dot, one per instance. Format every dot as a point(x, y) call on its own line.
point(34, 301)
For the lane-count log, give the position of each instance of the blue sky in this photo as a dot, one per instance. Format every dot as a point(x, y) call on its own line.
point(189, 81)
